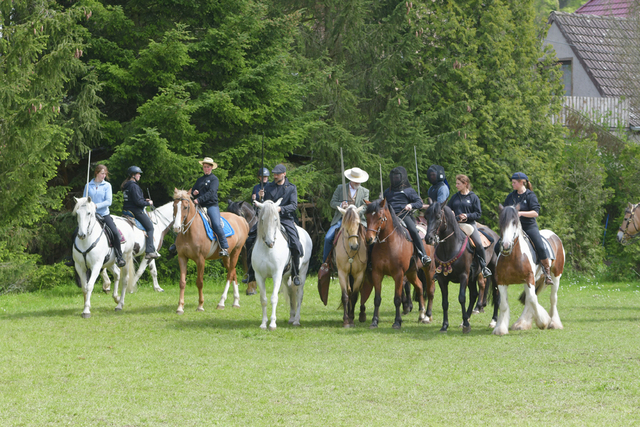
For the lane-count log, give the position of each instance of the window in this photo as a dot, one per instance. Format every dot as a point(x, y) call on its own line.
point(567, 77)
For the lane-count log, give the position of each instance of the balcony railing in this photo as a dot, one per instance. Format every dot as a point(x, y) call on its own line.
point(609, 112)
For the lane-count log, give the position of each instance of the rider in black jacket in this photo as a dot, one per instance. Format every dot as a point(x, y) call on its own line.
point(135, 203)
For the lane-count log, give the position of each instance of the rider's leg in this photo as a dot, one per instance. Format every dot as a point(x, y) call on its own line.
point(417, 242)
point(116, 240)
point(251, 240)
point(148, 226)
point(480, 252)
point(328, 240)
point(543, 257)
point(214, 215)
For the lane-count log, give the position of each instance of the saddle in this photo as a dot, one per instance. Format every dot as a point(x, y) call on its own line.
point(468, 230)
point(532, 249)
point(108, 232)
point(131, 219)
point(224, 224)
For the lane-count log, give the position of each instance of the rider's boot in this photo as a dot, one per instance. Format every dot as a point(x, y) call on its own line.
point(483, 265)
point(120, 262)
point(546, 267)
point(223, 252)
point(295, 269)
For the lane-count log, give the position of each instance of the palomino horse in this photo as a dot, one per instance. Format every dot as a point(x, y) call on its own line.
point(162, 218)
point(351, 259)
point(270, 257)
point(454, 260)
point(625, 234)
point(192, 243)
point(91, 252)
point(515, 265)
point(245, 210)
point(392, 255)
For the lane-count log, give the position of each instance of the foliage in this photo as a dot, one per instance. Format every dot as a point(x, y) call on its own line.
point(19, 272)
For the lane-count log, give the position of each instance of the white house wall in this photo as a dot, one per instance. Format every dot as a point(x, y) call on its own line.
point(581, 83)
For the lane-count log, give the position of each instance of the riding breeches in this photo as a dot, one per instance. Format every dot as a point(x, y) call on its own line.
point(534, 235)
point(413, 232)
point(214, 215)
point(148, 226)
point(477, 240)
point(116, 235)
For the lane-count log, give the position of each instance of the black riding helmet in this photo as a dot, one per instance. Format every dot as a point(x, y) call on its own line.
point(398, 178)
point(263, 172)
point(133, 170)
point(435, 174)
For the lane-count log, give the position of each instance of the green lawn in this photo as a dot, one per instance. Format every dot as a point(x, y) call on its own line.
point(147, 366)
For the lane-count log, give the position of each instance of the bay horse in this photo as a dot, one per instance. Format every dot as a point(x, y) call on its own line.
point(270, 257)
point(516, 265)
point(351, 260)
point(246, 211)
point(454, 260)
point(192, 243)
point(91, 252)
point(392, 255)
point(631, 219)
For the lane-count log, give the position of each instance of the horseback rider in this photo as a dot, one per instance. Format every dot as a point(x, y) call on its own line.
point(465, 204)
point(356, 195)
point(526, 200)
point(99, 190)
point(263, 179)
point(205, 195)
point(280, 188)
point(401, 197)
point(134, 202)
point(439, 190)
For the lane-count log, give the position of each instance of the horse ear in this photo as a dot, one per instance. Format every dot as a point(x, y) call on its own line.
point(229, 201)
point(518, 207)
point(360, 209)
point(630, 206)
point(500, 207)
point(367, 202)
point(258, 204)
point(429, 201)
point(89, 199)
point(76, 200)
point(342, 211)
point(278, 202)
point(382, 203)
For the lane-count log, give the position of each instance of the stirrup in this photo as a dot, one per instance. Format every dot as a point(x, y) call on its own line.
point(152, 255)
point(223, 252)
point(486, 272)
point(296, 280)
point(425, 259)
point(120, 262)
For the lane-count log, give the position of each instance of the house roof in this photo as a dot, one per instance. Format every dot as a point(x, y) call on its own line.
point(606, 7)
point(601, 44)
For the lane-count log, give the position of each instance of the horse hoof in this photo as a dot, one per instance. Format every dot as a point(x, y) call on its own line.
point(373, 326)
point(425, 321)
point(118, 308)
point(219, 307)
point(251, 293)
point(475, 311)
point(397, 326)
point(159, 290)
point(295, 324)
point(362, 318)
point(346, 325)
point(493, 324)
point(179, 311)
point(466, 329)
point(235, 306)
point(443, 330)
point(86, 315)
point(106, 291)
point(263, 327)
point(272, 328)
point(200, 309)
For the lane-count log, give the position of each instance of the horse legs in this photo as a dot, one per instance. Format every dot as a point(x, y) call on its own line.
point(116, 281)
point(106, 282)
point(407, 303)
point(502, 327)
point(482, 292)
point(365, 292)
point(230, 264)
point(462, 299)
point(87, 287)
point(295, 301)
point(553, 311)
point(200, 281)
point(414, 279)
point(127, 277)
point(154, 276)
point(376, 280)
point(444, 289)
point(496, 304)
point(344, 286)
point(539, 313)
point(263, 299)
point(140, 271)
point(182, 261)
point(277, 282)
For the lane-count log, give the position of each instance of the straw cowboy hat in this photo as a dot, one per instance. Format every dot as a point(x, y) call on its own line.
point(356, 175)
point(209, 161)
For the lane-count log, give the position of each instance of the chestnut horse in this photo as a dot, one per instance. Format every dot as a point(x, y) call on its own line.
point(454, 258)
point(631, 219)
point(351, 259)
point(392, 255)
point(192, 243)
point(245, 210)
point(515, 265)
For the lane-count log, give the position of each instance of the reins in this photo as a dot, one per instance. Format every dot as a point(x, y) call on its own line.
point(444, 267)
point(382, 220)
point(357, 251)
point(92, 246)
point(184, 230)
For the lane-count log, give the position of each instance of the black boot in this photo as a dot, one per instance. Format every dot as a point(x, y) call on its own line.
point(223, 252)
point(295, 269)
point(546, 267)
point(424, 258)
point(120, 262)
point(483, 265)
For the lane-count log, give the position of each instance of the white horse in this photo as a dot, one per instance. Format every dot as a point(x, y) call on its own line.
point(270, 257)
point(515, 266)
point(162, 219)
point(91, 252)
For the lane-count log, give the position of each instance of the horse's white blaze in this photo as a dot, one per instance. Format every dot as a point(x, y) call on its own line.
point(269, 258)
point(177, 220)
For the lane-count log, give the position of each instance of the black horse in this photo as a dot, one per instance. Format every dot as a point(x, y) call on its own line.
point(454, 259)
point(246, 211)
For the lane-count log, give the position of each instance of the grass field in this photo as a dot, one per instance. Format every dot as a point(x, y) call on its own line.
point(146, 366)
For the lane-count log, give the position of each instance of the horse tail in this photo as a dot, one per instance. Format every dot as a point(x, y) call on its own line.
point(493, 291)
point(539, 286)
point(130, 271)
point(423, 279)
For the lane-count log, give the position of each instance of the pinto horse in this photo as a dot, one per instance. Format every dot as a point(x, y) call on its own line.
point(270, 257)
point(454, 261)
point(631, 219)
point(515, 265)
point(392, 255)
point(192, 243)
point(351, 259)
point(246, 211)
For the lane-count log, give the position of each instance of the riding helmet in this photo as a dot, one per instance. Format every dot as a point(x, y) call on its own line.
point(133, 170)
point(263, 172)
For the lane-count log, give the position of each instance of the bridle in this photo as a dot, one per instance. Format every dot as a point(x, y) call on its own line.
point(442, 218)
point(516, 236)
point(383, 219)
point(629, 216)
point(94, 244)
point(183, 228)
point(348, 251)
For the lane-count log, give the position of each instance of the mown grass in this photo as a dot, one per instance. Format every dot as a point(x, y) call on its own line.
point(146, 366)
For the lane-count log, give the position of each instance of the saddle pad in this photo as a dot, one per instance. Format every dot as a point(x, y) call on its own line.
point(534, 254)
point(468, 230)
point(226, 227)
point(422, 230)
point(128, 215)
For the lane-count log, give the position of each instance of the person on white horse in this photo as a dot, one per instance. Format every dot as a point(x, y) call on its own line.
point(465, 204)
point(356, 195)
point(134, 204)
point(205, 195)
point(280, 188)
point(529, 208)
point(99, 190)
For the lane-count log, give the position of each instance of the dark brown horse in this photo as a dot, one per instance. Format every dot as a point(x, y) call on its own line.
point(392, 255)
point(515, 266)
point(192, 243)
point(454, 258)
point(246, 211)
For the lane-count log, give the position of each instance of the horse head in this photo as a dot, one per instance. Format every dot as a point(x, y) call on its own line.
point(435, 217)
point(624, 234)
point(377, 214)
point(244, 210)
point(85, 211)
point(268, 221)
point(510, 227)
point(351, 224)
point(181, 208)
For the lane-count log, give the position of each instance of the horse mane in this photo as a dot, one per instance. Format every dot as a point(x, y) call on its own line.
point(350, 216)
point(181, 194)
point(82, 201)
point(374, 207)
point(507, 215)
